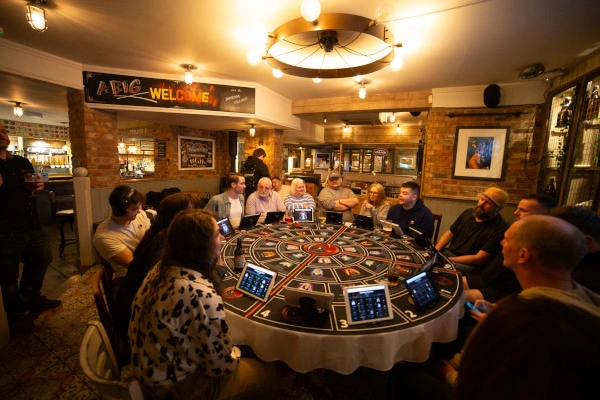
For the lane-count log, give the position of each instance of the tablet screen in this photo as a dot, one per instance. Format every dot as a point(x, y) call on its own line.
point(256, 282)
point(225, 227)
point(303, 215)
point(368, 303)
point(421, 289)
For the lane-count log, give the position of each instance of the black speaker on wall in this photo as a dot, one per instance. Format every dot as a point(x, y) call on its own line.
point(491, 96)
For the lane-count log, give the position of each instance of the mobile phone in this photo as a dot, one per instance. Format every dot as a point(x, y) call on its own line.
point(471, 306)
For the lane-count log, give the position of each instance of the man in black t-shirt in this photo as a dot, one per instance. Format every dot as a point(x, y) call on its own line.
point(474, 238)
point(22, 239)
point(254, 169)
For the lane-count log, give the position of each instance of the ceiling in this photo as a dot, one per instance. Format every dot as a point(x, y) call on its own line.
point(460, 43)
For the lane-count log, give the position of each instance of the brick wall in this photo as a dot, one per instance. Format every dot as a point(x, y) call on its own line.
point(95, 137)
point(523, 150)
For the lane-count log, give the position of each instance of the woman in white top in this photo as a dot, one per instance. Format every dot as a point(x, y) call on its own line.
point(298, 198)
point(375, 206)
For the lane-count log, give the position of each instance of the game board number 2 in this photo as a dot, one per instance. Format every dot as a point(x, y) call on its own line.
point(343, 323)
point(265, 313)
point(410, 313)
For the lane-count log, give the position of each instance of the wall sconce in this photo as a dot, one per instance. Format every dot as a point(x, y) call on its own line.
point(362, 91)
point(393, 118)
point(17, 109)
point(188, 75)
point(345, 129)
point(36, 15)
point(325, 119)
point(398, 128)
point(121, 143)
point(252, 130)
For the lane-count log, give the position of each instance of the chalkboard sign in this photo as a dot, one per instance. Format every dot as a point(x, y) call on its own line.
point(103, 88)
point(161, 149)
point(196, 153)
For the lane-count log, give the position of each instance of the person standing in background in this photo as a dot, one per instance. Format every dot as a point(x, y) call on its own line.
point(22, 239)
point(254, 169)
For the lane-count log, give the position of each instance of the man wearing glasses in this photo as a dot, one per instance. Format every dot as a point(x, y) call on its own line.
point(263, 201)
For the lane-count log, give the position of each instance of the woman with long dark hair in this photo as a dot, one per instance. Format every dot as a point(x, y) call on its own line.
point(178, 333)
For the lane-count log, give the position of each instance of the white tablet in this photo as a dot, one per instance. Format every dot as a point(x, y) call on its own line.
point(256, 282)
point(397, 230)
point(303, 215)
point(368, 303)
point(322, 300)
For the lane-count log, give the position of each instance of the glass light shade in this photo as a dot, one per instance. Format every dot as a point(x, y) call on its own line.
point(310, 10)
point(188, 76)
point(362, 92)
point(385, 13)
point(358, 78)
point(317, 80)
point(397, 63)
point(18, 111)
point(277, 73)
point(346, 129)
point(252, 131)
point(393, 118)
point(398, 129)
point(254, 58)
point(36, 16)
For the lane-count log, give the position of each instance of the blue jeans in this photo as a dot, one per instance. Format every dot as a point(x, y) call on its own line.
point(33, 249)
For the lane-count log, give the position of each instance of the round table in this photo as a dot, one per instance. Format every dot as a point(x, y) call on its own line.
point(326, 258)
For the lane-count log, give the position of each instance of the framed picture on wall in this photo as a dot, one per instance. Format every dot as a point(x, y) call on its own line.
point(196, 153)
point(480, 153)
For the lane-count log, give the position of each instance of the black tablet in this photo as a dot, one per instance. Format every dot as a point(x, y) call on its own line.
point(422, 290)
point(248, 222)
point(256, 282)
point(225, 227)
point(334, 217)
point(363, 222)
point(322, 300)
point(367, 303)
point(303, 215)
point(274, 217)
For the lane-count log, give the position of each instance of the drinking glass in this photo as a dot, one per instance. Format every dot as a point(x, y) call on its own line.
point(393, 274)
point(30, 178)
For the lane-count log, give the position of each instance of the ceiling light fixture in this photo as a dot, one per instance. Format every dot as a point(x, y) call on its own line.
point(325, 119)
point(362, 91)
point(188, 75)
point(310, 10)
point(317, 80)
point(398, 128)
point(252, 130)
point(17, 109)
point(393, 117)
point(535, 70)
point(36, 15)
point(345, 129)
point(334, 46)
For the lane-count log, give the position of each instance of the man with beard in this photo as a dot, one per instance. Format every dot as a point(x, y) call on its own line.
point(474, 238)
point(263, 200)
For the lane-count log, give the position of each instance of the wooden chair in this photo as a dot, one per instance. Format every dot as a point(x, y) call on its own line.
point(103, 291)
point(62, 216)
point(310, 189)
point(437, 218)
point(99, 364)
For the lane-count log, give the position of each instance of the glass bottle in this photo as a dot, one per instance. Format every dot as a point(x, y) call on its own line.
point(239, 256)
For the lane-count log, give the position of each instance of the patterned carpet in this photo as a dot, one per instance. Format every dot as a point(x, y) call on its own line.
point(44, 364)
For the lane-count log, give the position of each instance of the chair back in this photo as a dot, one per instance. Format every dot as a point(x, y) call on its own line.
point(310, 189)
point(99, 364)
point(437, 218)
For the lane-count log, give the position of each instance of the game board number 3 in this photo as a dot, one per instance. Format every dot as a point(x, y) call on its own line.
point(265, 313)
point(343, 323)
